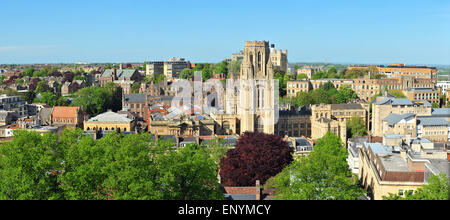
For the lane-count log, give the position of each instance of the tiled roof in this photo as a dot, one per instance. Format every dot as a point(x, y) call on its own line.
point(378, 148)
point(395, 118)
point(111, 117)
point(392, 101)
point(65, 112)
point(240, 197)
point(441, 111)
point(135, 97)
point(119, 73)
point(346, 106)
point(434, 121)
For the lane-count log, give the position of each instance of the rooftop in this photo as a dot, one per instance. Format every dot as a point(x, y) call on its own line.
point(440, 111)
point(394, 135)
point(135, 97)
point(65, 112)
point(393, 119)
point(119, 73)
point(394, 101)
point(427, 121)
point(110, 117)
point(394, 162)
point(346, 106)
point(378, 148)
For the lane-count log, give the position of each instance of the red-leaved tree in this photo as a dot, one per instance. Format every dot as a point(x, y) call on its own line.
point(257, 156)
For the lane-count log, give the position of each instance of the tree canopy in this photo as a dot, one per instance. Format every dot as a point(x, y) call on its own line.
point(322, 175)
point(257, 156)
point(95, 100)
point(436, 189)
point(356, 127)
point(116, 167)
point(325, 94)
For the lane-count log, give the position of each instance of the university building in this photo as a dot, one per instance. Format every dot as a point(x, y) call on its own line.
point(399, 70)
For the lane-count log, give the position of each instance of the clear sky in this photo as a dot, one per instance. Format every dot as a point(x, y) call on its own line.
point(362, 31)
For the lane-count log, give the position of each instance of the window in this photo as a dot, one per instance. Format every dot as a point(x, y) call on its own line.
point(401, 192)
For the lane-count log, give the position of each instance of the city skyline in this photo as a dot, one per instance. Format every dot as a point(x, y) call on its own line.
point(351, 32)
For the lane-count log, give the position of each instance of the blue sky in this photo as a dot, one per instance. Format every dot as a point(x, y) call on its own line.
point(364, 31)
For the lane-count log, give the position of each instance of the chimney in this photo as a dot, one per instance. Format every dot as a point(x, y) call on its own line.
point(403, 154)
point(114, 73)
point(258, 190)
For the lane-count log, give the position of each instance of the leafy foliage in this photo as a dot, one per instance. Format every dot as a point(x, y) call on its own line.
point(187, 74)
point(221, 67)
point(397, 93)
point(206, 72)
point(235, 66)
point(53, 100)
point(26, 167)
point(356, 127)
point(436, 189)
point(135, 87)
point(301, 76)
point(257, 156)
point(116, 167)
point(95, 100)
point(322, 175)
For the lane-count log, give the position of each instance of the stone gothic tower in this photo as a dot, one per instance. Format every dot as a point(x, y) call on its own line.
point(257, 89)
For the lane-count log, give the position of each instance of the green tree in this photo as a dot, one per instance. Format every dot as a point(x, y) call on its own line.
point(19, 81)
point(135, 87)
point(46, 97)
point(29, 96)
point(322, 175)
point(79, 77)
point(187, 73)
point(217, 149)
point(355, 73)
point(94, 100)
point(115, 167)
point(345, 94)
point(235, 66)
point(397, 93)
point(221, 67)
point(27, 167)
point(206, 72)
point(189, 174)
point(303, 98)
point(356, 127)
point(436, 189)
point(28, 72)
point(301, 76)
point(144, 66)
point(42, 86)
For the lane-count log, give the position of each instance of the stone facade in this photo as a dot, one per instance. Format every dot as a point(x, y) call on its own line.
point(110, 121)
point(398, 70)
point(279, 59)
point(256, 97)
point(294, 123)
point(384, 106)
point(364, 87)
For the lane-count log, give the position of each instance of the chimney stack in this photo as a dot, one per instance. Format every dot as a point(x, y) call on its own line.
point(258, 190)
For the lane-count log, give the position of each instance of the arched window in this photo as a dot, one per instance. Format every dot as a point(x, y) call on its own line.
point(259, 61)
point(259, 124)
